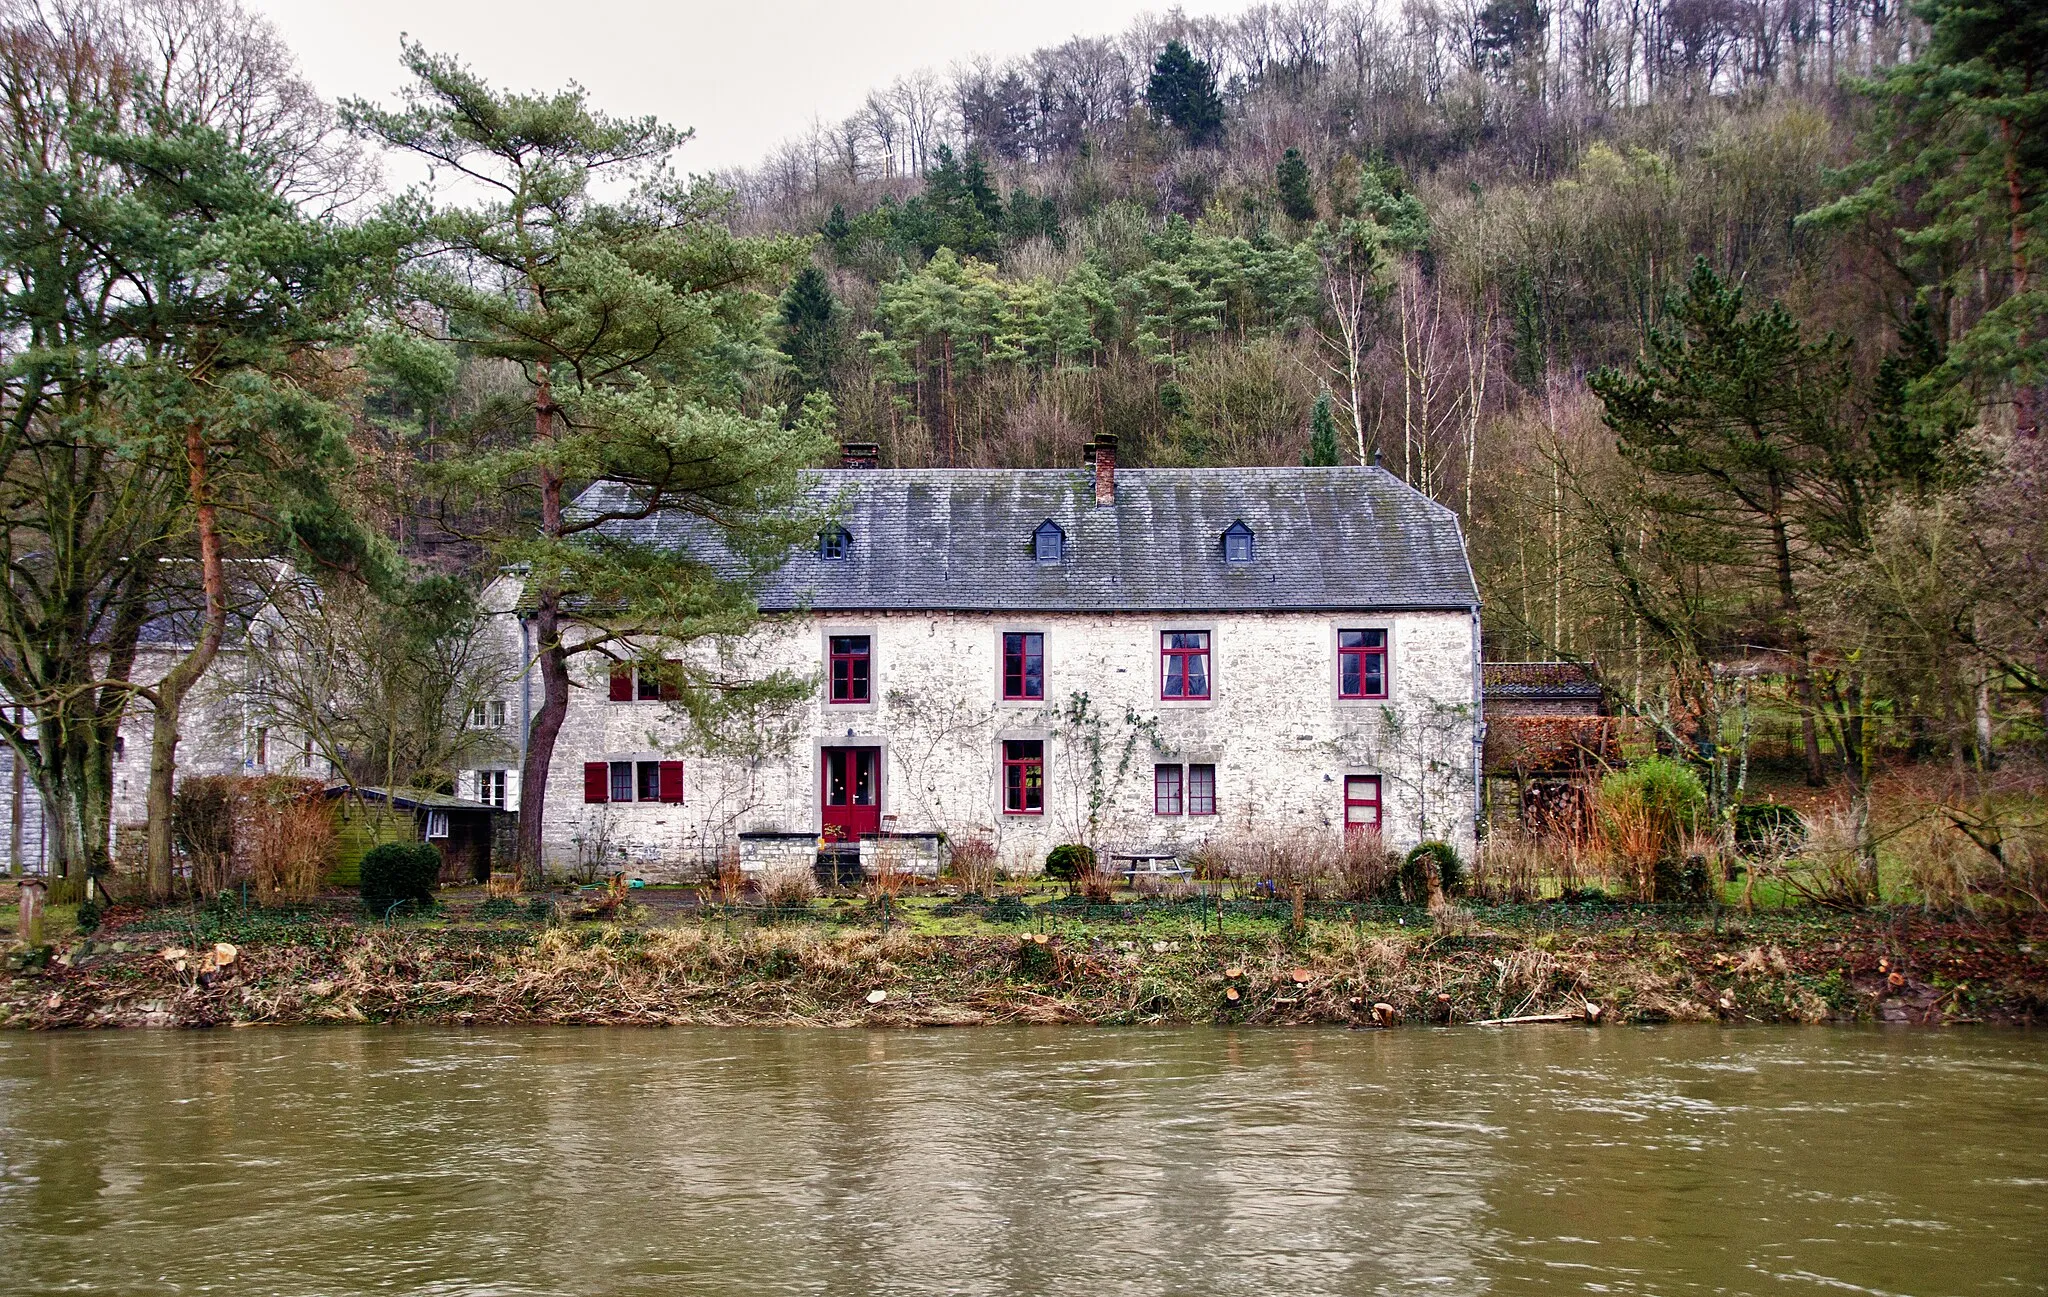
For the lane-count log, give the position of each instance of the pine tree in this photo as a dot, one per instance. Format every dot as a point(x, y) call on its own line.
point(809, 320)
point(836, 228)
point(1957, 167)
point(1322, 436)
point(1183, 91)
point(1743, 432)
point(1297, 197)
point(959, 208)
point(636, 327)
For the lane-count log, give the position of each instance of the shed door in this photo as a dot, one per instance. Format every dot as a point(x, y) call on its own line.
point(852, 792)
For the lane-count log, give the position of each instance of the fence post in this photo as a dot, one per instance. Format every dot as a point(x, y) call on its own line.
point(32, 892)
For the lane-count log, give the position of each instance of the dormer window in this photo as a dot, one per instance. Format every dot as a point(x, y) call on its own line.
point(833, 543)
point(1237, 543)
point(1048, 543)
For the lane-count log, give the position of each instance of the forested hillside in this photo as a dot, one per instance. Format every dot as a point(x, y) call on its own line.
point(1714, 319)
point(1420, 235)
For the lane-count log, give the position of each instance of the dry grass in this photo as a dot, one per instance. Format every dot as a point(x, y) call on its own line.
point(1456, 971)
point(789, 887)
point(1510, 866)
point(1635, 837)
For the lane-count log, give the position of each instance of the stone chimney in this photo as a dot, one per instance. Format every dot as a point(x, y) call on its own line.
point(1103, 455)
point(860, 454)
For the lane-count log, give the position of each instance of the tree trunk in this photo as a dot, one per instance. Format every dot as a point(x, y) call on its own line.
point(540, 740)
point(1802, 650)
point(171, 691)
point(554, 662)
point(64, 838)
point(1986, 729)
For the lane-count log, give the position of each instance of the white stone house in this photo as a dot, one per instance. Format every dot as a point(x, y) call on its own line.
point(1130, 659)
point(220, 732)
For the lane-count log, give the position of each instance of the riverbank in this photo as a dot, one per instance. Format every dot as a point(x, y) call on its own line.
point(500, 963)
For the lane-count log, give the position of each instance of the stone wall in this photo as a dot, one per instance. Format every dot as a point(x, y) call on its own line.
point(1280, 738)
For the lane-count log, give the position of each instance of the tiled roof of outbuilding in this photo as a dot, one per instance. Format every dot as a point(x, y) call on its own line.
point(1355, 539)
point(1539, 680)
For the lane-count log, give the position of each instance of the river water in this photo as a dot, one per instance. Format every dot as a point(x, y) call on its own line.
point(1212, 1162)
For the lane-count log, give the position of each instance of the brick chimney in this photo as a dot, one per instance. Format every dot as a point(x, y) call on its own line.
point(1103, 455)
point(860, 454)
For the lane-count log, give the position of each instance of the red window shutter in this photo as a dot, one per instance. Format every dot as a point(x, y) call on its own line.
point(597, 781)
point(671, 781)
point(671, 690)
point(622, 687)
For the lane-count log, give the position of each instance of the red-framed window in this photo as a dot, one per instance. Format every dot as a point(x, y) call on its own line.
point(1361, 804)
point(1361, 664)
point(1024, 776)
point(851, 669)
point(1166, 797)
point(1201, 790)
point(632, 781)
point(647, 684)
point(1184, 664)
point(1023, 666)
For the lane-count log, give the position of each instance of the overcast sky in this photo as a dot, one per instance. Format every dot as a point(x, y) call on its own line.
point(747, 74)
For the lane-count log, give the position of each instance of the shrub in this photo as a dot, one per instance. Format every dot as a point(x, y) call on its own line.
point(1769, 826)
point(1069, 861)
point(1688, 883)
point(204, 809)
point(288, 832)
point(973, 862)
point(1365, 869)
point(791, 888)
point(400, 871)
point(1450, 871)
point(1668, 796)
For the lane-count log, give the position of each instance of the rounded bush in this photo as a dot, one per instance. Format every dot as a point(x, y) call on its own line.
point(1069, 861)
point(1667, 795)
point(400, 871)
point(1450, 871)
point(1759, 824)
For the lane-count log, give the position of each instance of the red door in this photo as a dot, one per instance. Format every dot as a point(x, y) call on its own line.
point(852, 792)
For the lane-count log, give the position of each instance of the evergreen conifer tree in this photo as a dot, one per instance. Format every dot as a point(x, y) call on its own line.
point(1957, 166)
point(1183, 91)
point(837, 228)
point(1297, 197)
point(1322, 436)
point(809, 316)
point(635, 329)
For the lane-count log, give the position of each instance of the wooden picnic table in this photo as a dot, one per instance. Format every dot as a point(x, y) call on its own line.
point(1149, 862)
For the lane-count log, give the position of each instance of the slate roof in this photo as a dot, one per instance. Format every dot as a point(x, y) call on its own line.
point(410, 797)
point(1539, 680)
point(1353, 539)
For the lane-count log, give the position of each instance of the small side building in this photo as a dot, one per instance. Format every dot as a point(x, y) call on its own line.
point(459, 829)
point(1549, 738)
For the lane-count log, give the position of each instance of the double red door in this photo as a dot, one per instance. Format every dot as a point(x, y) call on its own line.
point(851, 792)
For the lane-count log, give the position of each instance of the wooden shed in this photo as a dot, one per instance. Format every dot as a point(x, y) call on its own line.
point(461, 830)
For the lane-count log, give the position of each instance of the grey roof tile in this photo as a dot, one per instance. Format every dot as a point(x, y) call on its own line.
point(1356, 539)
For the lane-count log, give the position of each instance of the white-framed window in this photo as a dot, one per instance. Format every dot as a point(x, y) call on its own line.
point(487, 715)
point(437, 824)
point(490, 788)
